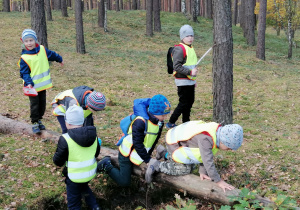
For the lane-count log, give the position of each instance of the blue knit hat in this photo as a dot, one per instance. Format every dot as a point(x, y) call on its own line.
point(28, 33)
point(231, 136)
point(96, 101)
point(159, 105)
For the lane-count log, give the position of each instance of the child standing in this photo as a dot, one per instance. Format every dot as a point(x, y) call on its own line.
point(34, 70)
point(82, 96)
point(196, 142)
point(78, 149)
point(184, 62)
point(138, 146)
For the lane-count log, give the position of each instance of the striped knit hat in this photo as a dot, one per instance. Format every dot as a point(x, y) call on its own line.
point(96, 101)
point(28, 33)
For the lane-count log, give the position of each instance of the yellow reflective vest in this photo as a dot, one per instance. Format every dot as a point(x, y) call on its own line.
point(126, 147)
point(39, 69)
point(81, 164)
point(191, 60)
point(185, 132)
point(60, 110)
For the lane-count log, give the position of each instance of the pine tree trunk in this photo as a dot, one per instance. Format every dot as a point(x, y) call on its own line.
point(121, 5)
point(250, 22)
point(117, 5)
point(208, 9)
point(242, 16)
point(183, 7)
point(101, 13)
point(194, 11)
point(80, 47)
point(235, 12)
point(48, 10)
point(64, 9)
point(6, 5)
point(134, 5)
point(91, 4)
point(149, 18)
point(260, 47)
point(57, 4)
point(156, 13)
point(105, 16)
point(38, 21)
point(222, 62)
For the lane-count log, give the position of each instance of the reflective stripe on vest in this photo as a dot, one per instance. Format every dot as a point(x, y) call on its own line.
point(39, 69)
point(191, 60)
point(60, 110)
point(126, 147)
point(81, 162)
point(185, 132)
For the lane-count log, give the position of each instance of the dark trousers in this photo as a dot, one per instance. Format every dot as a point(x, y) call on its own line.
point(37, 106)
point(122, 176)
point(75, 191)
point(186, 99)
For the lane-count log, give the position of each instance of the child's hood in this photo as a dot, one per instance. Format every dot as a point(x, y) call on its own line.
point(33, 51)
point(140, 107)
point(84, 136)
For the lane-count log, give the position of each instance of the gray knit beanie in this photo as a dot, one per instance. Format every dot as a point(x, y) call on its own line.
point(74, 115)
point(96, 101)
point(231, 136)
point(186, 30)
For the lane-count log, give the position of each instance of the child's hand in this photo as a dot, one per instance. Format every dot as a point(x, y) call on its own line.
point(224, 185)
point(30, 86)
point(203, 177)
point(194, 72)
point(62, 64)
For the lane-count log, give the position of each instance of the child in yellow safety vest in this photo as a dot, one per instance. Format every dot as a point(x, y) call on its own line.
point(196, 142)
point(34, 70)
point(77, 150)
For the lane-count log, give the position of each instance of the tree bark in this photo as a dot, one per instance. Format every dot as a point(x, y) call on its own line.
point(194, 11)
point(105, 16)
point(222, 62)
point(101, 13)
point(156, 14)
point(183, 7)
point(121, 4)
point(6, 5)
point(208, 9)
point(191, 183)
point(38, 21)
point(149, 18)
point(57, 4)
point(250, 22)
point(117, 5)
point(260, 47)
point(91, 4)
point(133, 5)
point(64, 9)
point(80, 47)
point(235, 12)
point(242, 15)
point(48, 10)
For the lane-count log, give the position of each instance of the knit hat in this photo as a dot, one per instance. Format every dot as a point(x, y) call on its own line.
point(159, 105)
point(28, 33)
point(186, 30)
point(74, 115)
point(96, 101)
point(231, 136)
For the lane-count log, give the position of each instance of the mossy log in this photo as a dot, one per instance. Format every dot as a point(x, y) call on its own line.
point(188, 183)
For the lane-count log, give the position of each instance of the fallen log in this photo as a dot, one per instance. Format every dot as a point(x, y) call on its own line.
point(189, 183)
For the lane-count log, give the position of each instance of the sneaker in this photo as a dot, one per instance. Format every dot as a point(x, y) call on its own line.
point(35, 128)
point(160, 152)
point(104, 164)
point(41, 126)
point(170, 125)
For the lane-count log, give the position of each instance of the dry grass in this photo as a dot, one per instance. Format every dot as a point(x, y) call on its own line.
point(124, 64)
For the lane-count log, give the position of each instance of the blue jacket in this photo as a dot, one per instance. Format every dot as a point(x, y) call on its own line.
point(24, 68)
point(140, 107)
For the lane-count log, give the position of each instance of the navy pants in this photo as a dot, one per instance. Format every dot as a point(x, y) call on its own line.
point(75, 191)
point(122, 176)
point(186, 99)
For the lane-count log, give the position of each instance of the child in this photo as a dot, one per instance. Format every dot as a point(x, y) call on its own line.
point(184, 61)
point(78, 149)
point(34, 70)
point(196, 142)
point(137, 147)
point(83, 96)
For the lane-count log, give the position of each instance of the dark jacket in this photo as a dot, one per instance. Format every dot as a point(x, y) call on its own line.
point(178, 62)
point(84, 136)
point(24, 68)
point(138, 128)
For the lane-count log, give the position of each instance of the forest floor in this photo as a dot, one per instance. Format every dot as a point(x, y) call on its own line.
point(124, 64)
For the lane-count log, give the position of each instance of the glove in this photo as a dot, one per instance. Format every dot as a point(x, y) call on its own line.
point(152, 168)
point(100, 141)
